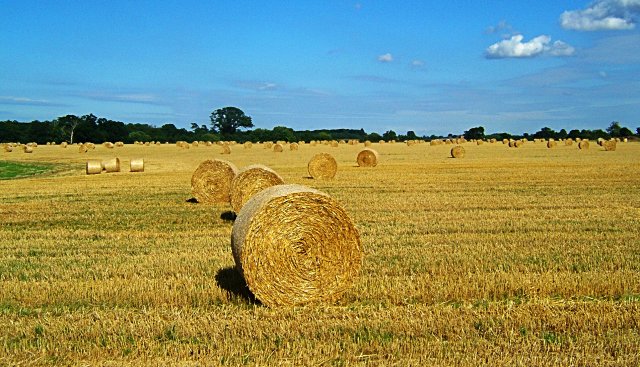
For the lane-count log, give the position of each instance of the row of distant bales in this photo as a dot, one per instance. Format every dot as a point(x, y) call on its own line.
point(279, 146)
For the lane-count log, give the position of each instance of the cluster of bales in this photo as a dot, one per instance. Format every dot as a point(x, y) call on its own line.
point(293, 245)
point(97, 166)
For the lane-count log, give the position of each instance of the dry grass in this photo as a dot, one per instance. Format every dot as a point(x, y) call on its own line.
point(527, 259)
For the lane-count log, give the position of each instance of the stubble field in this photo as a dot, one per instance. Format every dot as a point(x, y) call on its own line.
point(510, 256)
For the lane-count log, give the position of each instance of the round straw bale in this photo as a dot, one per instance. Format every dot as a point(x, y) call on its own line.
point(111, 165)
point(583, 144)
point(108, 145)
point(268, 145)
point(277, 148)
point(295, 245)
point(479, 142)
point(322, 166)
point(551, 144)
point(63, 144)
point(119, 144)
point(367, 158)
point(211, 181)
point(8, 148)
point(247, 145)
point(518, 143)
point(27, 148)
point(136, 165)
point(609, 145)
point(94, 166)
point(83, 148)
point(367, 143)
point(457, 152)
point(249, 181)
point(568, 142)
point(226, 149)
point(293, 146)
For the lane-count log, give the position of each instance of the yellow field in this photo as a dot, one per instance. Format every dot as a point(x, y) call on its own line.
point(510, 256)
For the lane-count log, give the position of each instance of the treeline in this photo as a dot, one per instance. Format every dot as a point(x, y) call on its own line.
point(89, 128)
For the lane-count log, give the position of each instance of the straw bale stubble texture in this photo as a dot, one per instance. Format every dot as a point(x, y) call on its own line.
point(295, 245)
point(322, 166)
point(249, 181)
point(211, 181)
point(367, 158)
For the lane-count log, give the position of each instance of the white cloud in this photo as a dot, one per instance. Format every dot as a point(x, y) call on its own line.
point(417, 64)
point(385, 58)
point(603, 15)
point(515, 48)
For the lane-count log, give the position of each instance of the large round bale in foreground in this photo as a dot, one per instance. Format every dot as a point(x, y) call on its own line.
point(367, 158)
point(322, 166)
point(457, 152)
point(249, 181)
point(295, 245)
point(211, 181)
point(111, 165)
point(136, 165)
point(94, 166)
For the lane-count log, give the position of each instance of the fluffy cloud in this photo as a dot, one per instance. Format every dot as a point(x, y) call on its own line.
point(603, 15)
point(385, 58)
point(514, 47)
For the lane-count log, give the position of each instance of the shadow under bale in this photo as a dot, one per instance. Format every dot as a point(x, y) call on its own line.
point(232, 281)
point(228, 216)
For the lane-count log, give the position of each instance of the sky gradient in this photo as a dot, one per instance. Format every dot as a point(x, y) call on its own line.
point(434, 67)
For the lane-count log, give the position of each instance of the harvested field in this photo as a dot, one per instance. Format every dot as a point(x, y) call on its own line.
point(506, 257)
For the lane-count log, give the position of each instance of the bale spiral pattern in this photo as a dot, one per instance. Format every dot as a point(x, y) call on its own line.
point(249, 181)
point(211, 181)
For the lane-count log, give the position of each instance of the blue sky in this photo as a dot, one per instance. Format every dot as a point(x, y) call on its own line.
point(434, 67)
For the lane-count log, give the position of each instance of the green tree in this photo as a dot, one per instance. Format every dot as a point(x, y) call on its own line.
point(375, 137)
point(390, 135)
point(283, 133)
point(614, 129)
point(474, 133)
point(68, 124)
point(228, 120)
point(545, 133)
point(411, 135)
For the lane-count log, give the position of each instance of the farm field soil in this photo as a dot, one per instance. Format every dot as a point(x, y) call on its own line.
point(509, 256)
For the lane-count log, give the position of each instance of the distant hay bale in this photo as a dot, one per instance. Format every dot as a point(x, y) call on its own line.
point(551, 144)
point(518, 143)
point(625, 140)
point(505, 141)
point(8, 148)
point(293, 146)
point(247, 145)
point(457, 152)
point(367, 158)
point(226, 149)
point(136, 165)
point(277, 148)
point(367, 143)
point(609, 145)
point(249, 181)
point(322, 166)
point(334, 144)
point(211, 181)
point(27, 149)
point(111, 165)
point(512, 143)
point(479, 142)
point(83, 148)
point(94, 166)
point(63, 144)
point(380, 142)
point(568, 142)
point(295, 245)
point(583, 144)
point(108, 145)
point(119, 144)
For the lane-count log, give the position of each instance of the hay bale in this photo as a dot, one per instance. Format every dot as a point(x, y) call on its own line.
point(119, 144)
point(295, 246)
point(583, 144)
point(457, 152)
point(479, 142)
point(108, 144)
point(211, 181)
point(609, 145)
point(322, 166)
point(293, 146)
point(367, 158)
point(111, 165)
point(367, 143)
point(8, 148)
point(247, 145)
point(249, 181)
point(226, 149)
point(27, 148)
point(136, 165)
point(551, 144)
point(518, 143)
point(63, 144)
point(83, 148)
point(278, 148)
point(94, 166)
